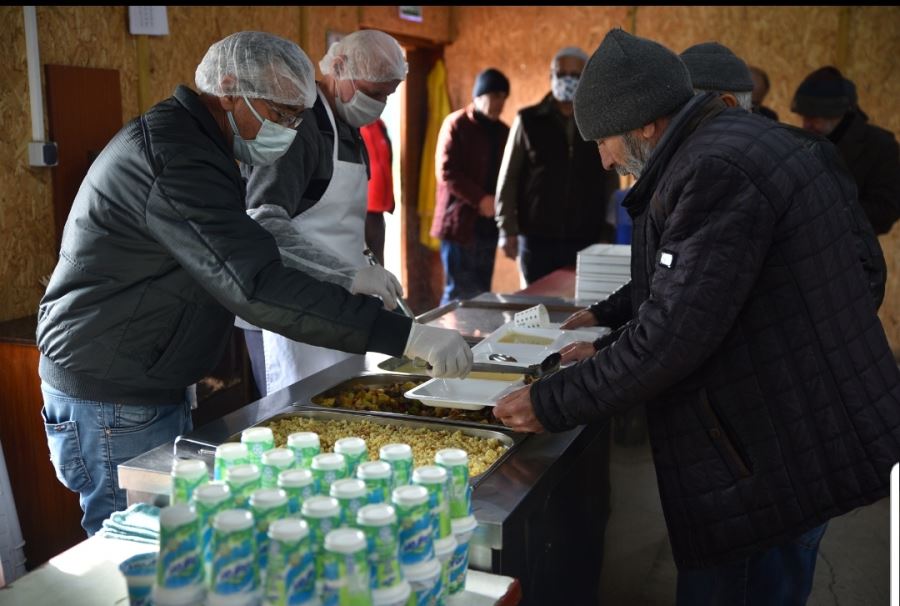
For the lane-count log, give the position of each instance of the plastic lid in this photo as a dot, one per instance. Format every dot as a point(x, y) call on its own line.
point(373, 470)
point(320, 507)
point(181, 596)
point(444, 548)
point(389, 596)
point(422, 570)
point(266, 498)
point(303, 439)
point(278, 457)
point(176, 515)
point(189, 468)
point(352, 446)
point(409, 495)
point(395, 452)
point(212, 492)
point(345, 540)
point(463, 525)
point(377, 514)
point(329, 461)
point(232, 450)
point(295, 478)
point(429, 474)
point(242, 473)
point(348, 488)
point(257, 434)
point(140, 565)
point(288, 529)
point(232, 519)
point(451, 457)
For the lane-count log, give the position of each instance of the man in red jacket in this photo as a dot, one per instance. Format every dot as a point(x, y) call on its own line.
point(381, 183)
point(469, 150)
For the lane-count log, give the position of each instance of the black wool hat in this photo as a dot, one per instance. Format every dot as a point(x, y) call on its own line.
point(713, 67)
point(824, 93)
point(628, 82)
point(490, 81)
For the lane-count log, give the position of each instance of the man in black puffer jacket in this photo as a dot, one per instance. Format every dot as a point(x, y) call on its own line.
point(773, 400)
point(157, 256)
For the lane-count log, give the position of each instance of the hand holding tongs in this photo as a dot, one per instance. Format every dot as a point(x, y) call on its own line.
point(373, 260)
point(547, 366)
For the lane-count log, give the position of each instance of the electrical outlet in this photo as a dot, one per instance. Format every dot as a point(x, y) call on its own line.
point(41, 153)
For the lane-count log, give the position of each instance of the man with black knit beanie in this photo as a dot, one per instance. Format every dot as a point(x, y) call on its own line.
point(749, 332)
point(467, 160)
point(828, 104)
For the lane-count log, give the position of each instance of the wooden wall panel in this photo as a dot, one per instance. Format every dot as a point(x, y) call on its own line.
point(435, 25)
point(522, 48)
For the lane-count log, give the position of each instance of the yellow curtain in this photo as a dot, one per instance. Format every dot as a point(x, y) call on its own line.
point(438, 109)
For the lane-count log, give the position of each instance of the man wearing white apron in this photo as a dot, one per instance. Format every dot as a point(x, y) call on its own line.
point(323, 232)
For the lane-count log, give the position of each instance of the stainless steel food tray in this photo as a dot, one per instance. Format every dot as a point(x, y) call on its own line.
point(380, 379)
point(510, 440)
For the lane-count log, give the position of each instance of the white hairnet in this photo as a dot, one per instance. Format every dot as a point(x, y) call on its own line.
point(368, 55)
point(262, 66)
point(569, 51)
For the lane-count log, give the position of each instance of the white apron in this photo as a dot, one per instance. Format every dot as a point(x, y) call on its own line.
point(337, 224)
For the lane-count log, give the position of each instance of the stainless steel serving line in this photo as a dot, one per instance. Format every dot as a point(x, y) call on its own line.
point(541, 509)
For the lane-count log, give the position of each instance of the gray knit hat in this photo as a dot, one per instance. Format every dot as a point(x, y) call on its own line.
point(714, 67)
point(628, 82)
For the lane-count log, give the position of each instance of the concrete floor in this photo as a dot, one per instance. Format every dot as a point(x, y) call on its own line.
point(853, 567)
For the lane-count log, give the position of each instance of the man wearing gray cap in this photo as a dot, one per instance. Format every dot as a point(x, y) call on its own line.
point(158, 255)
point(772, 395)
point(713, 67)
point(552, 194)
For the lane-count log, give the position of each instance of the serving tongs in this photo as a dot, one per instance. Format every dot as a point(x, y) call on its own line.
point(547, 366)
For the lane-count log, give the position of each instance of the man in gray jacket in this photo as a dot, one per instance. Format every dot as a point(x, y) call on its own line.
point(158, 255)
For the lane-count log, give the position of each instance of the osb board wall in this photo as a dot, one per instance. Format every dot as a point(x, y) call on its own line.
point(435, 24)
point(86, 37)
point(97, 36)
point(788, 42)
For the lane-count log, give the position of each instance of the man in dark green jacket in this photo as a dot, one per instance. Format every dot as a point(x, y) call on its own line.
point(158, 255)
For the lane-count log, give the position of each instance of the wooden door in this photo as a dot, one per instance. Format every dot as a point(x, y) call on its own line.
point(84, 106)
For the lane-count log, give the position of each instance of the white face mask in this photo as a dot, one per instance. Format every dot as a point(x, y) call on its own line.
point(271, 142)
point(360, 110)
point(563, 89)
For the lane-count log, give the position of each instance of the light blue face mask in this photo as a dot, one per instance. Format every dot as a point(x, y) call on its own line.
point(271, 142)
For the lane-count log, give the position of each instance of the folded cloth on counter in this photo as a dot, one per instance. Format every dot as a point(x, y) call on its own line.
point(139, 523)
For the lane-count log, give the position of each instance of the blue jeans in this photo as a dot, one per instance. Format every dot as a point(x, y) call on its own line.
point(88, 440)
point(469, 268)
point(780, 576)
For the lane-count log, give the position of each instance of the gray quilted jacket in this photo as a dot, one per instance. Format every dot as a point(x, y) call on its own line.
point(773, 399)
point(157, 257)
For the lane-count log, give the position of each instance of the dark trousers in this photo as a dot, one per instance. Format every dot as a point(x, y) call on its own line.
point(779, 576)
point(540, 256)
point(254, 341)
point(469, 268)
point(375, 234)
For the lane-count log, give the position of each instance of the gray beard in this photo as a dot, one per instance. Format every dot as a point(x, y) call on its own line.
point(638, 152)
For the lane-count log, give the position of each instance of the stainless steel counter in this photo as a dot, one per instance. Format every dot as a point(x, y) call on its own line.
point(507, 502)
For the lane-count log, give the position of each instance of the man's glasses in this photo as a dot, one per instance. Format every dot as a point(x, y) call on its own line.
point(287, 118)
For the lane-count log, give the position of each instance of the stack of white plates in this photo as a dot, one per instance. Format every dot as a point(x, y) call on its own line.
point(601, 269)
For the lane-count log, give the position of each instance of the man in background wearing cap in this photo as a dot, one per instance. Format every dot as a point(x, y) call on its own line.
point(552, 192)
point(157, 256)
point(467, 159)
point(828, 104)
point(772, 395)
point(714, 68)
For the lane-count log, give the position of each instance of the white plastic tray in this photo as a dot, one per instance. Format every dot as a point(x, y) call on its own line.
point(526, 354)
point(468, 394)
